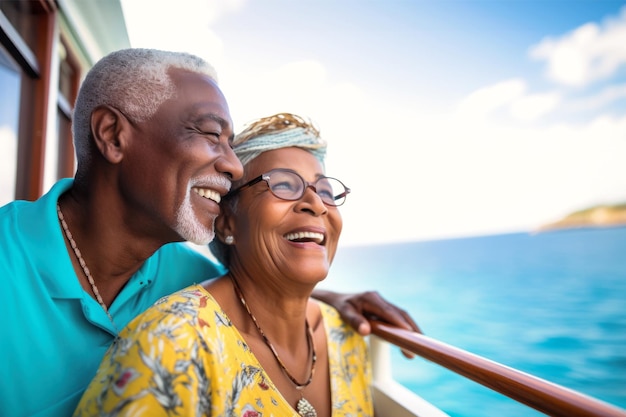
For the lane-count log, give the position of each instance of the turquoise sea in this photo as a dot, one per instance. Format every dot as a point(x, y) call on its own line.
point(551, 304)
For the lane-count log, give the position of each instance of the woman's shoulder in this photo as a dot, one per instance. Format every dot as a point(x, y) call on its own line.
point(181, 301)
point(327, 311)
point(336, 328)
point(190, 307)
point(193, 294)
point(331, 318)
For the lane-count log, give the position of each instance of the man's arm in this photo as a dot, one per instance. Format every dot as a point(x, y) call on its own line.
point(355, 309)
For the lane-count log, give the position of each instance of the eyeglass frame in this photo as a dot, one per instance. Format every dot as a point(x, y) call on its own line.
point(266, 177)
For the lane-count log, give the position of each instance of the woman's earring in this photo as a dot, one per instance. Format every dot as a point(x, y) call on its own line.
point(229, 240)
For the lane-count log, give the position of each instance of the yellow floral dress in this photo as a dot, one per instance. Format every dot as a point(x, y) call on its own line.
point(183, 357)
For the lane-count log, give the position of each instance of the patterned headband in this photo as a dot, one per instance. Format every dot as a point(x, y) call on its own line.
point(297, 137)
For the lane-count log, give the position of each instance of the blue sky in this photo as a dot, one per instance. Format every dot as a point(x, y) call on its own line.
point(446, 118)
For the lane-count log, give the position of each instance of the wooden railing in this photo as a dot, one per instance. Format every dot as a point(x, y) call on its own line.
point(544, 396)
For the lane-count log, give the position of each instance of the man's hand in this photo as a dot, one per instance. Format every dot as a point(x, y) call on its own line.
point(355, 309)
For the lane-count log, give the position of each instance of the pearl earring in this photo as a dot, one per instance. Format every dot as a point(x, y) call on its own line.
point(229, 240)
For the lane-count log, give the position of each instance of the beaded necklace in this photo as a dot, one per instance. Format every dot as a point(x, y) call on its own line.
point(83, 265)
point(304, 408)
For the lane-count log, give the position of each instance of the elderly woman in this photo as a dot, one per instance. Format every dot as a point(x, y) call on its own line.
point(252, 342)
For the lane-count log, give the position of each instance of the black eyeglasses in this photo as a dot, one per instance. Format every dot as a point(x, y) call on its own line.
point(289, 185)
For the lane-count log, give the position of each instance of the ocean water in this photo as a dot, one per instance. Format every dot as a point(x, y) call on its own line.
point(550, 304)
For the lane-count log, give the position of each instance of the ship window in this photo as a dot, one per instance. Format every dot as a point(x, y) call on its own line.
point(26, 40)
point(19, 13)
point(9, 117)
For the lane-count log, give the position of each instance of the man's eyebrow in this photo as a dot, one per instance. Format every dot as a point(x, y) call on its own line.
point(211, 116)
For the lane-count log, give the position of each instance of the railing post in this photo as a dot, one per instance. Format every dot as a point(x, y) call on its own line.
point(381, 360)
point(392, 399)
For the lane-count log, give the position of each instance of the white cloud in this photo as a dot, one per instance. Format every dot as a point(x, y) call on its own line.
point(295, 86)
point(178, 26)
point(531, 107)
point(604, 98)
point(301, 87)
point(217, 9)
point(488, 99)
point(588, 53)
point(510, 95)
point(447, 178)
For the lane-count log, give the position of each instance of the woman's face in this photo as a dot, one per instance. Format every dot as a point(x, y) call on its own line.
point(293, 239)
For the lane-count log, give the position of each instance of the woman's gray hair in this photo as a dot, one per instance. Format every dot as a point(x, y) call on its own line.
point(282, 130)
point(135, 81)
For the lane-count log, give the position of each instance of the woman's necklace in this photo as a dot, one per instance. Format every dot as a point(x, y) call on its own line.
point(83, 265)
point(304, 408)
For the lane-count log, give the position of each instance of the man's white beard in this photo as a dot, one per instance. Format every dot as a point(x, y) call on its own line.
point(190, 228)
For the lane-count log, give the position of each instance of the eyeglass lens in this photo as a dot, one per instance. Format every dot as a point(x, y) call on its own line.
point(290, 186)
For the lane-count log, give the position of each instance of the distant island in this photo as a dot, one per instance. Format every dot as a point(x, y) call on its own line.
point(597, 216)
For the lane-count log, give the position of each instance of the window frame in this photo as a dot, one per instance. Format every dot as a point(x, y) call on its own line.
point(35, 66)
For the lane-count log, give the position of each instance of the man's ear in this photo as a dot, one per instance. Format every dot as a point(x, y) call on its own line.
point(110, 129)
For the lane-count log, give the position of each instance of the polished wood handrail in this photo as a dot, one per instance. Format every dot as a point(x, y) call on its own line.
point(544, 396)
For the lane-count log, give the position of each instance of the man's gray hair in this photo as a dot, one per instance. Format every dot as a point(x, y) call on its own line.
point(135, 81)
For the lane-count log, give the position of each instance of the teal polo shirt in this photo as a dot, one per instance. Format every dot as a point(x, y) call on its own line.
point(55, 334)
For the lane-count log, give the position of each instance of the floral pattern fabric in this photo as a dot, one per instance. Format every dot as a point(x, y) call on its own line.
point(183, 356)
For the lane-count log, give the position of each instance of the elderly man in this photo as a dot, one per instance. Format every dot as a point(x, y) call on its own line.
point(153, 133)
